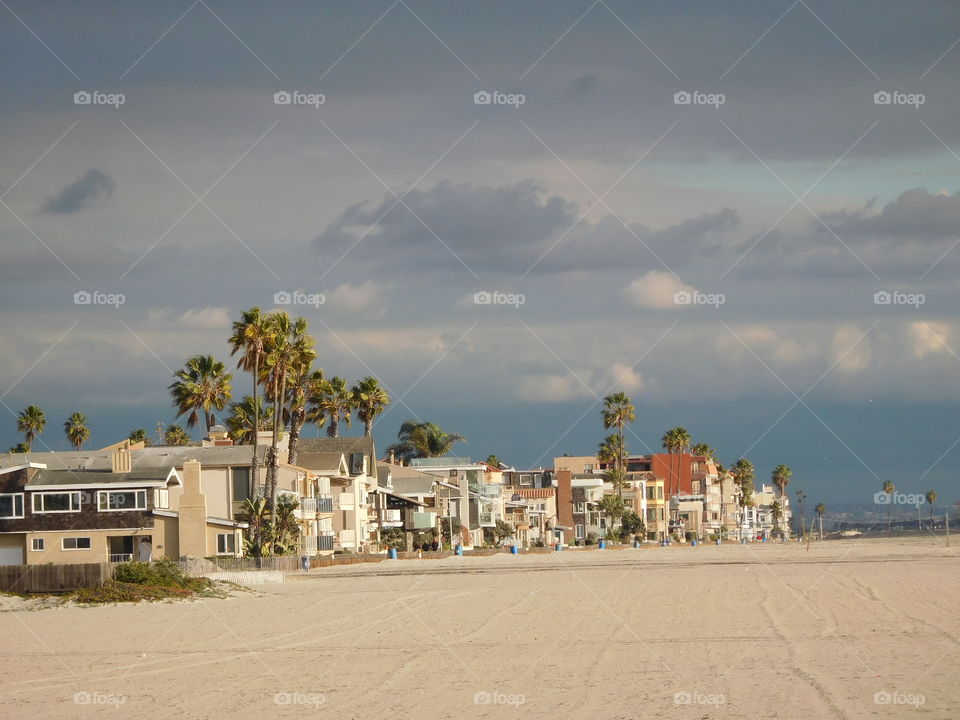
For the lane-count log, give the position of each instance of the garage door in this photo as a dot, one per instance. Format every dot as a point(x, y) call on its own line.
point(11, 556)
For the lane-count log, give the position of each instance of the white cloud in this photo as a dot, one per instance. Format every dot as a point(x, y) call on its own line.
point(929, 337)
point(208, 318)
point(657, 289)
point(365, 297)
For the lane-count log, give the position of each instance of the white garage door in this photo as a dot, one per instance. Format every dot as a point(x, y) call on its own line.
point(11, 556)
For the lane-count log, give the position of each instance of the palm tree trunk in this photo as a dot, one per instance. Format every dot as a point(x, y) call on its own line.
point(296, 422)
point(254, 463)
point(334, 429)
point(275, 454)
point(368, 427)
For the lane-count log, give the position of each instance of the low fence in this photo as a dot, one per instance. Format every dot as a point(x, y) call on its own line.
point(53, 578)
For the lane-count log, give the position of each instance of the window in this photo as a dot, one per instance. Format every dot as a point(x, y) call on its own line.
point(526, 479)
point(161, 498)
point(240, 477)
point(75, 543)
point(650, 492)
point(11, 505)
point(695, 486)
point(588, 468)
point(651, 515)
point(122, 500)
point(49, 502)
point(226, 544)
point(37, 544)
point(357, 463)
point(579, 507)
point(580, 532)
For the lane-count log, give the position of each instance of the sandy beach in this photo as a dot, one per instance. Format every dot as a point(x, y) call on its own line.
point(847, 629)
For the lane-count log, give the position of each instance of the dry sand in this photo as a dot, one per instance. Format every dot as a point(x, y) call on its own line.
point(760, 631)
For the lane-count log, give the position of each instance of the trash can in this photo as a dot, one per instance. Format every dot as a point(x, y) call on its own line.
point(513, 550)
point(304, 562)
point(636, 543)
point(392, 554)
point(557, 547)
point(603, 544)
point(718, 541)
point(459, 549)
point(693, 543)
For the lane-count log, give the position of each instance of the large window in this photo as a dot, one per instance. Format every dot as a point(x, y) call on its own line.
point(11, 505)
point(122, 500)
point(240, 477)
point(580, 532)
point(75, 543)
point(226, 544)
point(161, 498)
point(51, 502)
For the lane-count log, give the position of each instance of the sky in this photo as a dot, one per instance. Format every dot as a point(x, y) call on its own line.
point(742, 214)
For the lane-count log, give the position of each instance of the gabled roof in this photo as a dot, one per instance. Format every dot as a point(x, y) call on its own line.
point(345, 445)
point(164, 456)
point(322, 462)
point(87, 478)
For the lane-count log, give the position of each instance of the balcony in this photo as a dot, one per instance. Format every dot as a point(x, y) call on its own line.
point(317, 543)
point(120, 557)
point(312, 506)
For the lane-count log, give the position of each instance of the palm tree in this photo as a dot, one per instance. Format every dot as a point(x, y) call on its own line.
point(76, 429)
point(743, 476)
point(675, 441)
point(369, 399)
point(331, 401)
point(19, 448)
point(243, 415)
point(931, 499)
point(703, 449)
point(617, 478)
point(776, 509)
point(31, 421)
point(139, 436)
point(617, 412)
point(289, 348)
point(251, 334)
point(612, 507)
point(202, 386)
point(176, 435)
point(493, 461)
point(611, 450)
point(889, 488)
point(781, 478)
point(423, 440)
point(819, 510)
point(254, 512)
point(302, 381)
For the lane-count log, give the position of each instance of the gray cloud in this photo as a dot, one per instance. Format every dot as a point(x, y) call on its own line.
point(81, 193)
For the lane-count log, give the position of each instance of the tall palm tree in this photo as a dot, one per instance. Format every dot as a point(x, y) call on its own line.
point(611, 450)
point(243, 418)
point(776, 509)
point(889, 488)
point(801, 503)
point(819, 510)
point(76, 429)
point(703, 450)
point(617, 478)
point(612, 507)
point(618, 411)
point(369, 399)
point(675, 441)
point(331, 402)
point(781, 478)
point(251, 334)
point(743, 475)
point(290, 347)
point(176, 435)
point(931, 499)
point(31, 421)
point(202, 385)
point(423, 440)
point(303, 381)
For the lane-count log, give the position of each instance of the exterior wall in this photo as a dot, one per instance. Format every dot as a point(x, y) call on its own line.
point(576, 463)
point(215, 485)
point(193, 513)
point(166, 541)
point(565, 504)
point(99, 551)
point(214, 530)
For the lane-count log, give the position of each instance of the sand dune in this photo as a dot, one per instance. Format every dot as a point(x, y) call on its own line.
point(847, 629)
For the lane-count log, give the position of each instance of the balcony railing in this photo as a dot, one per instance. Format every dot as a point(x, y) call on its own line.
point(313, 543)
point(120, 557)
point(311, 506)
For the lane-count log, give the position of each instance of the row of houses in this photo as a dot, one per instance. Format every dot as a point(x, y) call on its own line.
point(129, 502)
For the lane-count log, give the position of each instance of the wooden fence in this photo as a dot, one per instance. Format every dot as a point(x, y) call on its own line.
point(53, 578)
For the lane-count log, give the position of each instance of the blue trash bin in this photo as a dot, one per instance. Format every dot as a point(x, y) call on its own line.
point(513, 550)
point(557, 547)
point(693, 542)
point(304, 562)
point(636, 543)
point(393, 553)
point(603, 544)
point(459, 549)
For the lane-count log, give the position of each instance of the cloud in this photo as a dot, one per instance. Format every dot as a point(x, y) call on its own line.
point(92, 186)
point(929, 338)
point(657, 289)
point(365, 297)
point(208, 318)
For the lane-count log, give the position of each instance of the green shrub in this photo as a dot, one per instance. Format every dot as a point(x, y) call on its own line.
point(591, 539)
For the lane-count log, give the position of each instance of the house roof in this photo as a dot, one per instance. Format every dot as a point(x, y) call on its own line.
point(67, 478)
point(320, 461)
point(344, 445)
point(162, 456)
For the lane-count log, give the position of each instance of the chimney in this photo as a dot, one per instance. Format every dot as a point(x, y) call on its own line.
point(392, 460)
point(121, 461)
point(192, 522)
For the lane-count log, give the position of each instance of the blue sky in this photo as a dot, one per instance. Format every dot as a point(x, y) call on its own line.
point(598, 198)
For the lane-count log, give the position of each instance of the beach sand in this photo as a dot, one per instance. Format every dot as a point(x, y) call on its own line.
point(847, 629)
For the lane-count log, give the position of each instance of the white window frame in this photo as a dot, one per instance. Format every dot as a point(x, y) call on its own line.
point(14, 497)
point(232, 541)
point(63, 543)
point(579, 507)
point(526, 479)
point(41, 495)
point(103, 500)
point(161, 498)
point(33, 545)
point(580, 531)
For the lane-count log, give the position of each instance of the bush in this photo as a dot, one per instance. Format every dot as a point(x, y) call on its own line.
point(591, 539)
point(162, 573)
